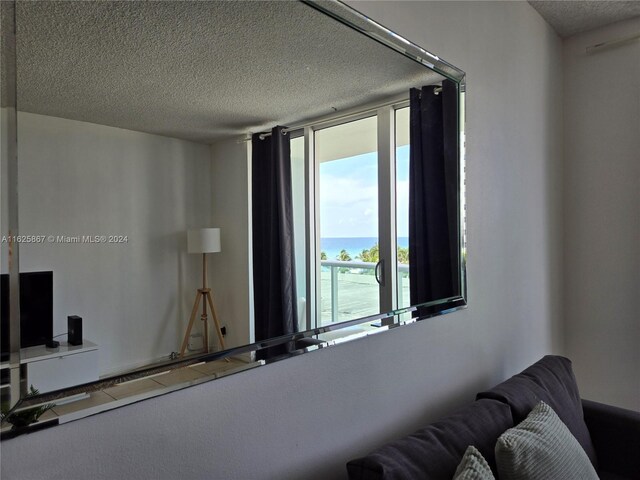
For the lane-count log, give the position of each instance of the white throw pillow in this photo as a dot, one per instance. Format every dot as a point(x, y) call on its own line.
point(541, 447)
point(473, 466)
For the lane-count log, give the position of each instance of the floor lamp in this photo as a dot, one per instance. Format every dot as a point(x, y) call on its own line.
point(204, 240)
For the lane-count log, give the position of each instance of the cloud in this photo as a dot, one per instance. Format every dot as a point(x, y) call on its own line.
point(348, 207)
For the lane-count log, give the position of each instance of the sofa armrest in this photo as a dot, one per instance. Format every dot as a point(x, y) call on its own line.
point(615, 433)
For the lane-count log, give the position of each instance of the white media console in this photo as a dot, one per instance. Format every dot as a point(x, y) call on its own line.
point(50, 369)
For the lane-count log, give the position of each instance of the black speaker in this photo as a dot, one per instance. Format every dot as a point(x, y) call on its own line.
point(74, 330)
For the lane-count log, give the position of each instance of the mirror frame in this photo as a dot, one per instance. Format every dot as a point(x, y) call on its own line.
point(366, 26)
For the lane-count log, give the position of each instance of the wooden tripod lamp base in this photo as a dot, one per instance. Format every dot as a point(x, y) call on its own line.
point(204, 296)
point(205, 240)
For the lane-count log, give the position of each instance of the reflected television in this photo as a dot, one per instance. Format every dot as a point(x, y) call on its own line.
point(36, 309)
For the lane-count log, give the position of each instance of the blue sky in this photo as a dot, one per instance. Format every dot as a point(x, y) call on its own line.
point(348, 195)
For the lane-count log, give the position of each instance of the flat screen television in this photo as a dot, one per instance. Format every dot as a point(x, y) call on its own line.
point(36, 309)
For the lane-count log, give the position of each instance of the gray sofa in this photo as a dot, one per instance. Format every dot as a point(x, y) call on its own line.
point(609, 435)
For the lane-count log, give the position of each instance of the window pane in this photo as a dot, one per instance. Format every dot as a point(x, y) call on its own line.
point(299, 226)
point(348, 209)
point(402, 204)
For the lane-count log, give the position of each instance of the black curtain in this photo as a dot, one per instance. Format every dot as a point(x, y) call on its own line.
point(434, 266)
point(274, 278)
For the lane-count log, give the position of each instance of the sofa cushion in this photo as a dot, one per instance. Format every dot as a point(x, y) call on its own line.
point(615, 433)
point(552, 381)
point(473, 466)
point(434, 452)
point(611, 476)
point(541, 448)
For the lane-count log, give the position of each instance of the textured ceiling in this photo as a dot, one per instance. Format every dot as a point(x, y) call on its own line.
point(568, 17)
point(198, 70)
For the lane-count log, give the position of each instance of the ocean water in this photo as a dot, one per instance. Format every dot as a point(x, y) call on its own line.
point(353, 245)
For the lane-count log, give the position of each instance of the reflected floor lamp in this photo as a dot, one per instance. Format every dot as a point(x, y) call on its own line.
point(204, 240)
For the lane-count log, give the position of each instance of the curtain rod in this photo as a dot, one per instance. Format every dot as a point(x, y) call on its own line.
point(333, 119)
point(613, 43)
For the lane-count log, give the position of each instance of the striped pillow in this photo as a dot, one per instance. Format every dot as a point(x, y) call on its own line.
point(541, 447)
point(473, 466)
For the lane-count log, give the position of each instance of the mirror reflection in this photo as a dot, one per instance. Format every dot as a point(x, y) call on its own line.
point(199, 176)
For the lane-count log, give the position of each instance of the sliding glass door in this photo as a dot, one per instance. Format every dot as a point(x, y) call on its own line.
point(346, 156)
point(357, 215)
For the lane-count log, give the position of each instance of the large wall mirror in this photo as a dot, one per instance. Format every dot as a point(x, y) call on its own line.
point(191, 189)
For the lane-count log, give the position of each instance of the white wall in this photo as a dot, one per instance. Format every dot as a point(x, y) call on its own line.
point(78, 178)
point(230, 275)
point(305, 417)
point(602, 213)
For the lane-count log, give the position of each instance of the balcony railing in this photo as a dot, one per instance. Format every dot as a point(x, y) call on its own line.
point(353, 289)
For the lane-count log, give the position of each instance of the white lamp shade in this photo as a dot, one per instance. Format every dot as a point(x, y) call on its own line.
point(203, 240)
